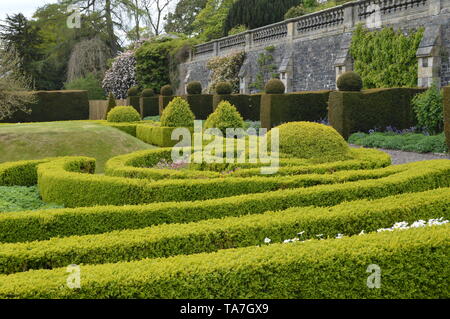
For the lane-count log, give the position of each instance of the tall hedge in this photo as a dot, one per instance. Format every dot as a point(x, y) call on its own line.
point(447, 114)
point(201, 105)
point(247, 105)
point(351, 112)
point(277, 109)
point(149, 106)
point(54, 106)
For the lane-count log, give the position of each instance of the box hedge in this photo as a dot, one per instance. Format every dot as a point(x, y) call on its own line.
point(200, 104)
point(156, 135)
point(447, 114)
point(336, 268)
point(135, 102)
point(247, 105)
point(225, 233)
point(149, 106)
point(277, 109)
point(54, 106)
point(351, 112)
point(59, 184)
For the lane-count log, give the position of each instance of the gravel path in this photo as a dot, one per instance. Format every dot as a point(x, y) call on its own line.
point(401, 157)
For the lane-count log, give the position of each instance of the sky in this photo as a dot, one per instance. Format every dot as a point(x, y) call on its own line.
point(27, 7)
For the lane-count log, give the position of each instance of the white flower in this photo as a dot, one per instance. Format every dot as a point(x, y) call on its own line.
point(301, 233)
point(338, 236)
point(267, 240)
point(362, 232)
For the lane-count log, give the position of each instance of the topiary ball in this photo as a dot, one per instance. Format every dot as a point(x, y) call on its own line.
point(134, 91)
point(177, 114)
point(349, 81)
point(224, 88)
point(167, 90)
point(311, 141)
point(194, 88)
point(123, 114)
point(275, 86)
point(225, 116)
point(147, 93)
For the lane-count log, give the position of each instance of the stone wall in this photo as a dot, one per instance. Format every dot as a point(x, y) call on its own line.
point(312, 50)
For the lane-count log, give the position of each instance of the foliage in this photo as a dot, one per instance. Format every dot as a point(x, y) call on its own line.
point(133, 91)
point(157, 61)
point(386, 58)
point(223, 88)
point(121, 75)
point(447, 114)
point(194, 87)
point(182, 18)
point(147, 93)
point(349, 81)
point(20, 198)
point(177, 114)
point(89, 83)
point(275, 86)
point(166, 90)
point(225, 116)
point(266, 69)
point(237, 29)
point(311, 140)
point(156, 135)
point(226, 69)
point(409, 142)
point(13, 86)
point(209, 23)
point(123, 114)
point(429, 109)
point(254, 13)
point(310, 6)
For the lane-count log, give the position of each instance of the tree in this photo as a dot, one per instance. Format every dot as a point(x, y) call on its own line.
point(209, 23)
point(155, 10)
point(19, 35)
point(257, 13)
point(13, 85)
point(181, 19)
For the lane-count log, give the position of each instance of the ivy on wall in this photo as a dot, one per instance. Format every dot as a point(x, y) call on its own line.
point(266, 69)
point(386, 58)
point(226, 69)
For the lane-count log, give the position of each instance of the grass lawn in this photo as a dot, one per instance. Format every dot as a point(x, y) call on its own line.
point(41, 140)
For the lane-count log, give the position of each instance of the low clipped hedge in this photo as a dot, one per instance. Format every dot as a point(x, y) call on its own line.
point(277, 109)
point(61, 182)
point(200, 104)
point(22, 173)
point(129, 128)
point(351, 112)
point(54, 106)
point(447, 114)
point(139, 165)
point(409, 260)
point(247, 105)
point(149, 106)
point(156, 135)
point(231, 232)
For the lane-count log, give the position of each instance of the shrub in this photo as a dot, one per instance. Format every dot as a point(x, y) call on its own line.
point(429, 109)
point(121, 76)
point(51, 106)
point(133, 91)
point(226, 69)
point(167, 90)
point(225, 116)
point(177, 114)
point(311, 140)
point(194, 87)
point(349, 81)
point(90, 84)
point(111, 104)
point(123, 114)
point(148, 93)
point(275, 86)
point(224, 88)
